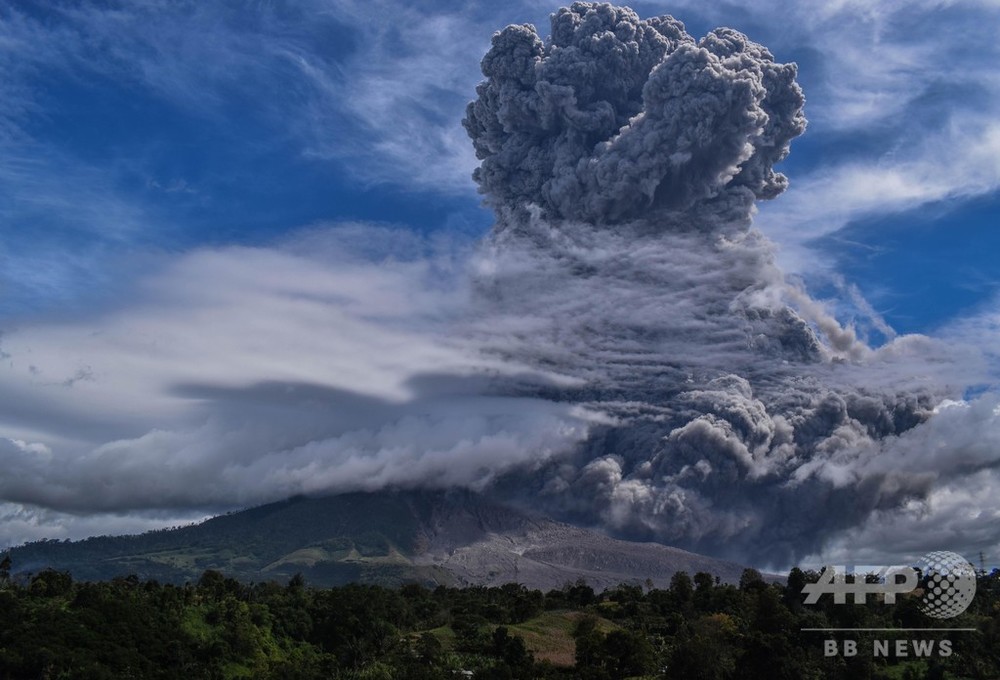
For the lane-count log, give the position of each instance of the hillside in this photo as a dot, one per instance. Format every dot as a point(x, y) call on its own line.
point(390, 537)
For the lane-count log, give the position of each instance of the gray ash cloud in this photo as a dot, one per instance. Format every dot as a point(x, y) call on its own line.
point(621, 351)
point(623, 159)
point(616, 118)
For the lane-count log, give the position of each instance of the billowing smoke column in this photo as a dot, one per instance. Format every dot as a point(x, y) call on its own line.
point(618, 119)
point(623, 158)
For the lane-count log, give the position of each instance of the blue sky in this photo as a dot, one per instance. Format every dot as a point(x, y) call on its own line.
point(154, 155)
point(159, 127)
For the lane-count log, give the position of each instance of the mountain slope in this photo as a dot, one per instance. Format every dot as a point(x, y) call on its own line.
point(389, 537)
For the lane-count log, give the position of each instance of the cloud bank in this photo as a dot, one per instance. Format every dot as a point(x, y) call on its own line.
point(330, 362)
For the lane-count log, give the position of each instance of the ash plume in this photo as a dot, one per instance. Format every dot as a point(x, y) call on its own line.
point(616, 118)
point(621, 351)
point(623, 159)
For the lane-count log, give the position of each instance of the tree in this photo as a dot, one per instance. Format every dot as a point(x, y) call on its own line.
point(751, 580)
point(793, 588)
point(703, 584)
point(51, 583)
point(5, 569)
point(429, 648)
point(511, 650)
point(628, 653)
point(581, 594)
point(682, 590)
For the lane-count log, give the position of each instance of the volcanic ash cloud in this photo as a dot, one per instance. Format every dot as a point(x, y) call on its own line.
point(623, 159)
point(618, 119)
point(625, 353)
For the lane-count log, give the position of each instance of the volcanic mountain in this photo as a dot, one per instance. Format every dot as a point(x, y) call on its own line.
point(391, 537)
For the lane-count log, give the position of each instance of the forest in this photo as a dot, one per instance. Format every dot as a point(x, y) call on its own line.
point(219, 628)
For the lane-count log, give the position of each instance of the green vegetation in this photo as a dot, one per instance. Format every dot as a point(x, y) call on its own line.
point(331, 541)
point(221, 628)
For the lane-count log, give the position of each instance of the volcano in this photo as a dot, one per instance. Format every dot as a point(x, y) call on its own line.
point(452, 538)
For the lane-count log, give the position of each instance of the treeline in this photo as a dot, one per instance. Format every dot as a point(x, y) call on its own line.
point(219, 628)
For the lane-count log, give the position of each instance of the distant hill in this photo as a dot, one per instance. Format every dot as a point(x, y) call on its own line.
point(389, 537)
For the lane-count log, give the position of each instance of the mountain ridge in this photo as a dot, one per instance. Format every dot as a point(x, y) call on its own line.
point(452, 538)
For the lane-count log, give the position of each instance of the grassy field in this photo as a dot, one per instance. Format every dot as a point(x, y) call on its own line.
point(549, 636)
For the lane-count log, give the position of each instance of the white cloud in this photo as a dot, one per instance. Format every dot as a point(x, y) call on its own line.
point(407, 100)
point(242, 375)
point(957, 455)
point(961, 162)
point(236, 316)
point(20, 523)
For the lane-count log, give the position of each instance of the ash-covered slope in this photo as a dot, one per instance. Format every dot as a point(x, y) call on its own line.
point(391, 537)
point(546, 554)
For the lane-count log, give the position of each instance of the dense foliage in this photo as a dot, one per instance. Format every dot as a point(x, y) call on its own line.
point(53, 627)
